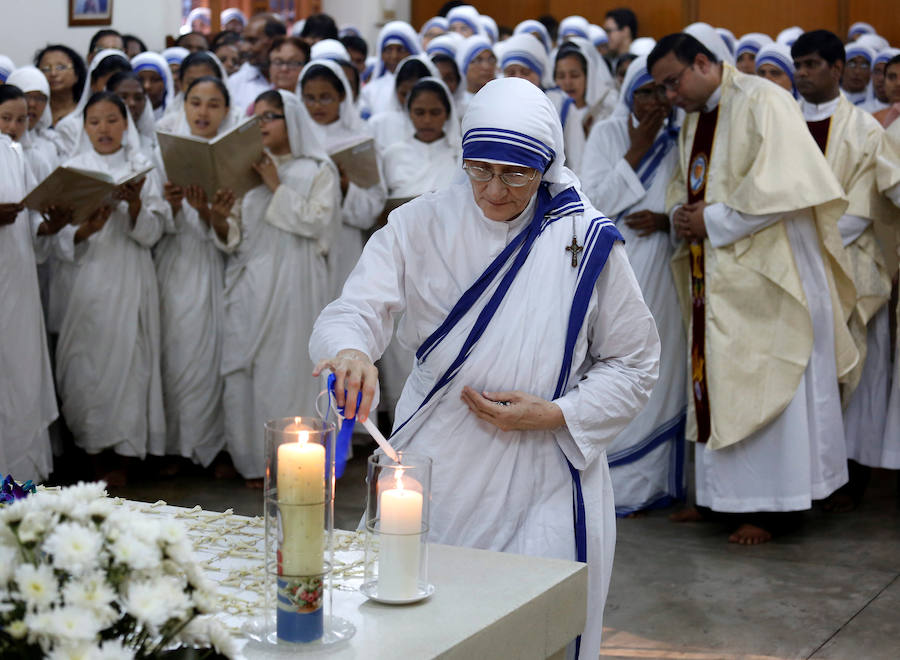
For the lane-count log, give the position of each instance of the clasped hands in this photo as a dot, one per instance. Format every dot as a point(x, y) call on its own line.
point(508, 411)
point(688, 221)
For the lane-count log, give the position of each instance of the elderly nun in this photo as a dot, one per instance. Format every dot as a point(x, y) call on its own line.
point(534, 381)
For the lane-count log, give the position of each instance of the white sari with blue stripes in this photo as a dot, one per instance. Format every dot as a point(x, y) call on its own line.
point(510, 491)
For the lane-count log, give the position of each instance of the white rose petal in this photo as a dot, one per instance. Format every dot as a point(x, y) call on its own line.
point(37, 585)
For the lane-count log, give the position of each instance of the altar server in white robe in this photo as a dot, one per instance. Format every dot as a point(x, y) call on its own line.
point(396, 41)
point(281, 235)
point(587, 93)
point(629, 160)
point(327, 99)
point(888, 181)
point(107, 359)
point(850, 138)
point(762, 276)
point(427, 162)
point(37, 142)
point(190, 269)
point(27, 397)
point(575, 359)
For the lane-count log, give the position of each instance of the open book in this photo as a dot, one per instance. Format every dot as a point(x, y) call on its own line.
point(225, 162)
point(357, 159)
point(84, 191)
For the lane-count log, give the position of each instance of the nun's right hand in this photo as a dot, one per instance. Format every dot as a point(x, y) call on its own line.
point(9, 213)
point(355, 373)
point(174, 196)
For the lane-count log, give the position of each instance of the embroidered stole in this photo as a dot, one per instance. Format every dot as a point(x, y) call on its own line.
point(698, 173)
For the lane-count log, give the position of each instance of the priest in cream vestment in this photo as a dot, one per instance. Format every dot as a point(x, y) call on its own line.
point(765, 285)
point(850, 137)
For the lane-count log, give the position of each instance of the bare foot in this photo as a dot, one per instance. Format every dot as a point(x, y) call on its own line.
point(170, 467)
point(690, 514)
point(839, 503)
point(117, 478)
point(224, 470)
point(255, 484)
point(748, 534)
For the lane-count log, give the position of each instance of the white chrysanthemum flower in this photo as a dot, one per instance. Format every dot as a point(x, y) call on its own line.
point(135, 553)
point(172, 532)
point(85, 492)
point(9, 560)
point(16, 629)
point(113, 649)
point(74, 547)
point(221, 639)
point(206, 601)
point(194, 633)
point(35, 524)
point(155, 602)
point(74, 623)
point(94, 593)
point(37, 585)
point(76, 651)
point(7, 537)
point(13, 513)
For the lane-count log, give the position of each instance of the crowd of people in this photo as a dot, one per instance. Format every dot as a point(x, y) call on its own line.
point(754, 180)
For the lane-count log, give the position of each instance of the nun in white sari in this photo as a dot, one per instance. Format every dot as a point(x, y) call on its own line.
point(27, 397)
point(646, 459)
point(276, 282)
point(190, 269)
point(572, 361)
point(38, 143)
point(107, 359)
point(360, 207)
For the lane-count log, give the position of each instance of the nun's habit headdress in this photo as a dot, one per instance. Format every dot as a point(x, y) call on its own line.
point(467, 15)
point(532, 26)
point(525, 50)
point(396, 32)
point(778, 55)
point(151, 61)
point(751, 43)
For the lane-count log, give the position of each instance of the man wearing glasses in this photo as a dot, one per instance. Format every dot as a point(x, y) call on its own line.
point(251, 80)
point(765, 283)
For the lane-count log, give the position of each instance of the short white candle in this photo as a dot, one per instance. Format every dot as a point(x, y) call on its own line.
point(301, 502)
point(401, 531)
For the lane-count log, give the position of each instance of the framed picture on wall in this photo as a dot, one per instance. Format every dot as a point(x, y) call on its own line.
point(90, 12)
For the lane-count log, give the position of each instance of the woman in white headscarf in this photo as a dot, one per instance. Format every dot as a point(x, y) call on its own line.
point(599, 38)
point(195, 65)
point(190, 269)
point(587, 94)
point(775, 63)
point(392, 124)
point(522, 56)
point(747, 48)
point(107, 359)
point(629, 160)
point(283, 233)
point(156, 77)
point(465, 20)
point(433, 27)
point(396, 41)
point(174, 56)
point(573, 26)
point(477, 65)
point(709, 37)
point(442, 50)
point(536, 29)
point(37, 142)
point(328, 100)
point(535, 381)
point(27, 397)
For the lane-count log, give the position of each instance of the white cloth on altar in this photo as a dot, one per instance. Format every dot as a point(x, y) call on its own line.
point(190, 270)
point(27, 396)
point(800, 456)
point(613, 186)
point(508, 491)
point(276, 283)
point(108, 355)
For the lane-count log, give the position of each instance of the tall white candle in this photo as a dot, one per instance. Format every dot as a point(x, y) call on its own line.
point(401, 531)
point(301, 502)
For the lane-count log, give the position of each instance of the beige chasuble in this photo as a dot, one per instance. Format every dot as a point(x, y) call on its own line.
point(759, 333)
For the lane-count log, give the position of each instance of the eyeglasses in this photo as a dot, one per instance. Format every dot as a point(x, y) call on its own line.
point(322, 100)
point(286, 64)
point(269, 117)
point(59, 68)
point(511, 179)
point(485, 60)
point(658, 91)
point(672, 84)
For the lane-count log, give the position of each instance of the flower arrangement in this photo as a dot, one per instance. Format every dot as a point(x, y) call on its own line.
point(10, 491)
point(81, 577)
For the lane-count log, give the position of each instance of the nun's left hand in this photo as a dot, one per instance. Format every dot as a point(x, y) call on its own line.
point(268, 172)
point(514, 411)
point(9, 212)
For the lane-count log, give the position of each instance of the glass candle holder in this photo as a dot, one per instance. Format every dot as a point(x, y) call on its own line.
point(397, 514)
point(299, 524)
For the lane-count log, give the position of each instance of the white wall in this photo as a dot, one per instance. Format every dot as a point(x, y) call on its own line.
point(367, 15)
point(29, 25)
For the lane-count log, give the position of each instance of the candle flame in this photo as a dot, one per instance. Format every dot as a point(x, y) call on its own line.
point(302, 437)
point(398, 477)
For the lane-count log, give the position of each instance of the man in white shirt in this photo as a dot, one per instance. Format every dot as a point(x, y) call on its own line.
point(250, 80)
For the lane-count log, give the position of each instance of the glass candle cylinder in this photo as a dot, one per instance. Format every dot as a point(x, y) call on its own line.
point(397, 513)
point(299, 523)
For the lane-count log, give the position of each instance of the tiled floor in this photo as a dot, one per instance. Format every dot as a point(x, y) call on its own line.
point(829, 591)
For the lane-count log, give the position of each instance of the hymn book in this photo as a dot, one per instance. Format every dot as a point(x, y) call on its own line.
point(357, 160)
point(222, 163)
point(83, 191)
